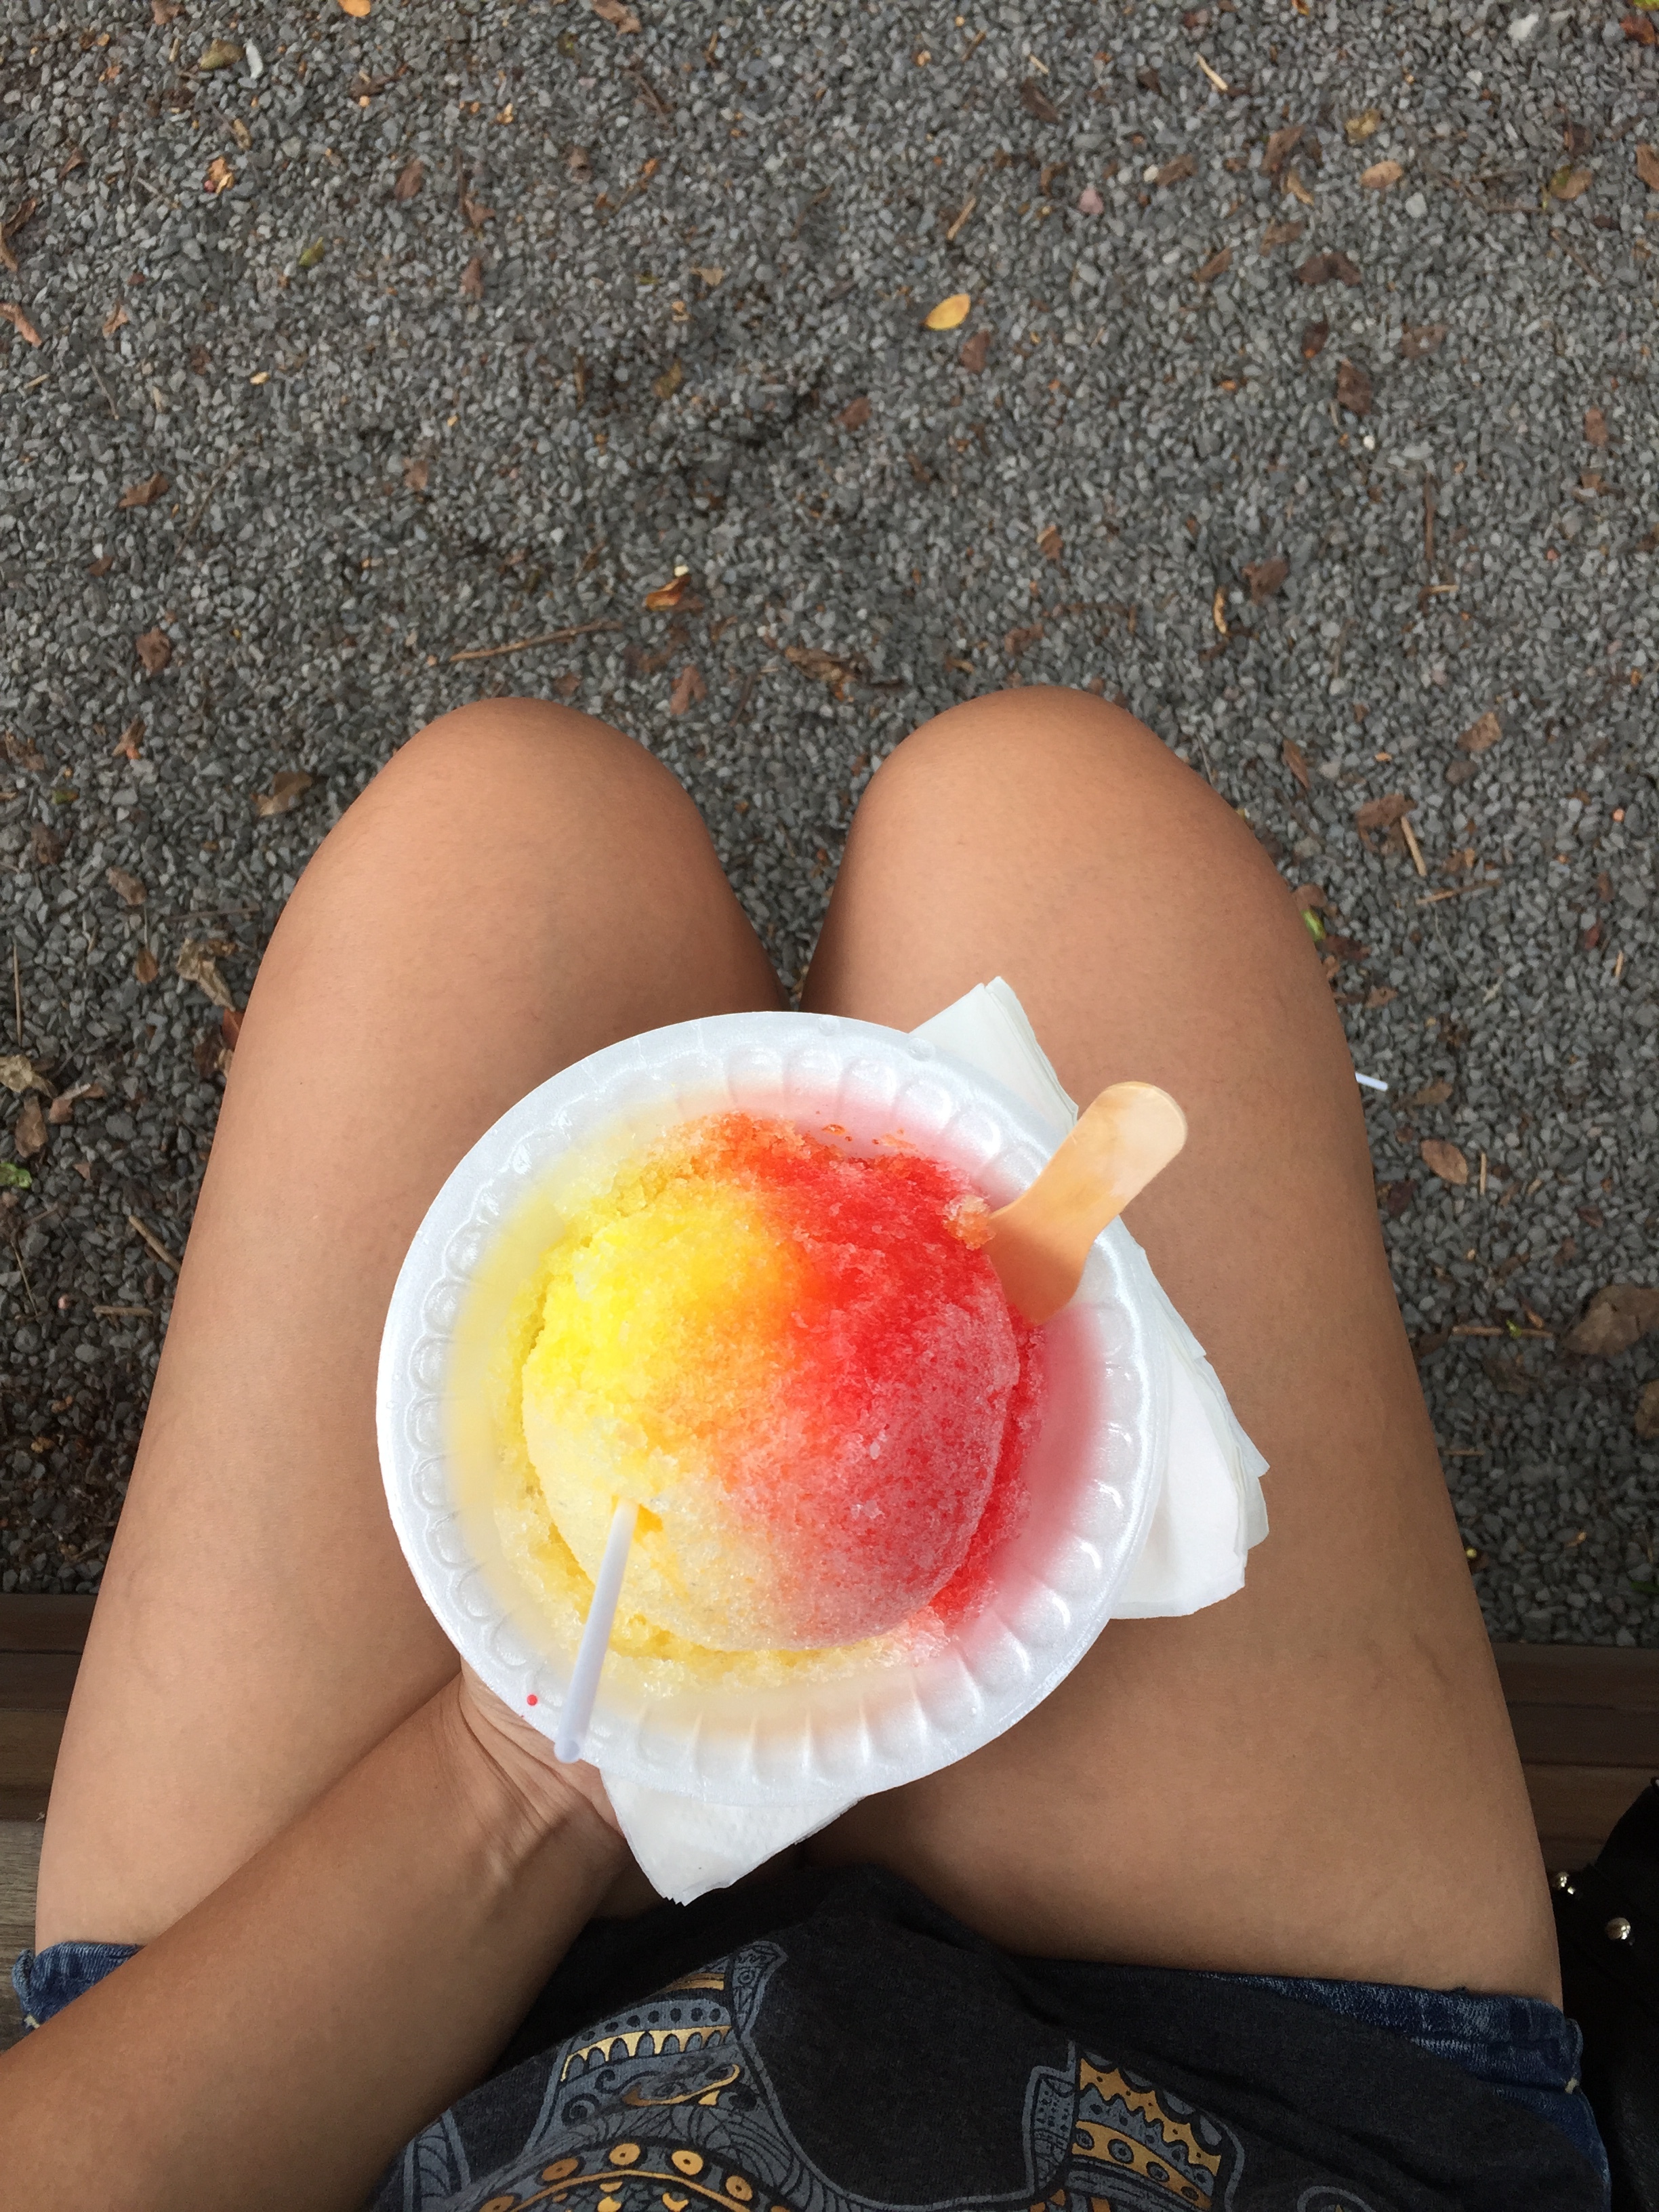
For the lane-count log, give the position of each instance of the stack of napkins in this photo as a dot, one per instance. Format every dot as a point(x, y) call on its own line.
point(1208, 1516)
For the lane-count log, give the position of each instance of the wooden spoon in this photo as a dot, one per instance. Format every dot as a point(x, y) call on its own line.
point(1040, 1242)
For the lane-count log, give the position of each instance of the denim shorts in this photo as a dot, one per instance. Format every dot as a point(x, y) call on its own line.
point(1524, 2050)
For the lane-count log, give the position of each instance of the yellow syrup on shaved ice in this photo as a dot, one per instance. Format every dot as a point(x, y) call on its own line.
point(799, 1363)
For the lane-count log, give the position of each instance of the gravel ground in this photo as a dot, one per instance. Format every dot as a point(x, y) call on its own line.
point(505, 314)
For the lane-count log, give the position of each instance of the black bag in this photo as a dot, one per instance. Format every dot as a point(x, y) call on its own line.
point(1607, 1921)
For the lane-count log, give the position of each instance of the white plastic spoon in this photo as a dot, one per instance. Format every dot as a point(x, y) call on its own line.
point(596, 1635)
point(1040, 1242)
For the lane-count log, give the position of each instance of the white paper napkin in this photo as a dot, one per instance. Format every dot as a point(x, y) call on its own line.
point(1209, 1514)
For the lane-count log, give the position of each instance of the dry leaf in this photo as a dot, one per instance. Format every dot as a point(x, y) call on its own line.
point(690, 690)
point(1647, 166)
point(197, 964)
point(410, 178)
point(155, 650)
point(130, 739)
point(620, 17)
point(1381, 814)
point(1216, 265)
point(669, 594)
point(1442, 1158)
point(417, 472)
point(472, 279)
point(578, 167)
point(711, 275)
point(1647, 1413)
point(1049, 543)
point(1280, 146)
point(855, 415)
point(1360, 127)
point(1595, 427)
point(670, 381)
point(1570, 184)
point(951, 313)
point(45, 849)
point(162, 12)
point(1149, 80)
point(1639, 28)
point(1395, 1197)
point(1380, 177)
point(145, 968)
point(219, 176)
point(357, 8)
point(219, 54)
point(1297, 761)
point(974, 352)
point(287, 789)
point(1327, 269)
point(1433, 1094)
point(1353, 388)
point(1314, 335)
point(1414, 342)
point(306, 259)
point(1264, 578)
point(1172, 172)
point(474, 213)
point(62, 1108)
point(1296, 189)
point(28, 1131)
point(143, 494)
point(566, 686)
point(828, 667)
point(1035, 102)
point(1018, 642)
point(1380, 995)
point(19, 1074)
point(1480, 735)
point(1280, 234)
point(20, 322)
point(1614, 1319)
point(1507, 1374)
point(127, 887)
point(117, 318)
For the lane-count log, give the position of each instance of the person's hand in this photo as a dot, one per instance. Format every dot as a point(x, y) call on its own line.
point(525, 1757)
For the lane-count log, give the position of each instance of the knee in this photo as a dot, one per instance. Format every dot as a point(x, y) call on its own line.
point(507, 769)
point(1039, 749)
point(497, 751)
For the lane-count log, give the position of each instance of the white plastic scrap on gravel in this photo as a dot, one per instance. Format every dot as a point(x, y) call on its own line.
point(614, 324)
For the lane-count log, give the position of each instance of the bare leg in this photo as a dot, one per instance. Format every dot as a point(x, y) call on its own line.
point(520, 887)
point(1316, 1776)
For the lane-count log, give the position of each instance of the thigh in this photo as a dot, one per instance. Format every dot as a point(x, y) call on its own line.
point(1316, 1776)
point(519, 887)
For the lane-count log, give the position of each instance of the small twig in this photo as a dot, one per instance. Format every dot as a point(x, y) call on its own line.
point(1463, 891)
point(16, 1254)
point(207, 496)
point(1582, 263)
point(744, 697)
point(966, 209)
point(17, 991)
point(125, 1313)
point(1418, 861)
point(153, 1242)
point(114, 414)
point(523, 644)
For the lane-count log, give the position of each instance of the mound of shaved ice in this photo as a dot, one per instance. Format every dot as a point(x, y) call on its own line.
point(800, 1364)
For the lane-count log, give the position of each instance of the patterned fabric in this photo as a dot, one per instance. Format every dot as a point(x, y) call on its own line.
point(853, 2049)
point(872, 2055)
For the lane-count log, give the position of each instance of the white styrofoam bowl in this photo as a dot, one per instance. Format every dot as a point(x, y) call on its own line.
point(1092, 1470)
